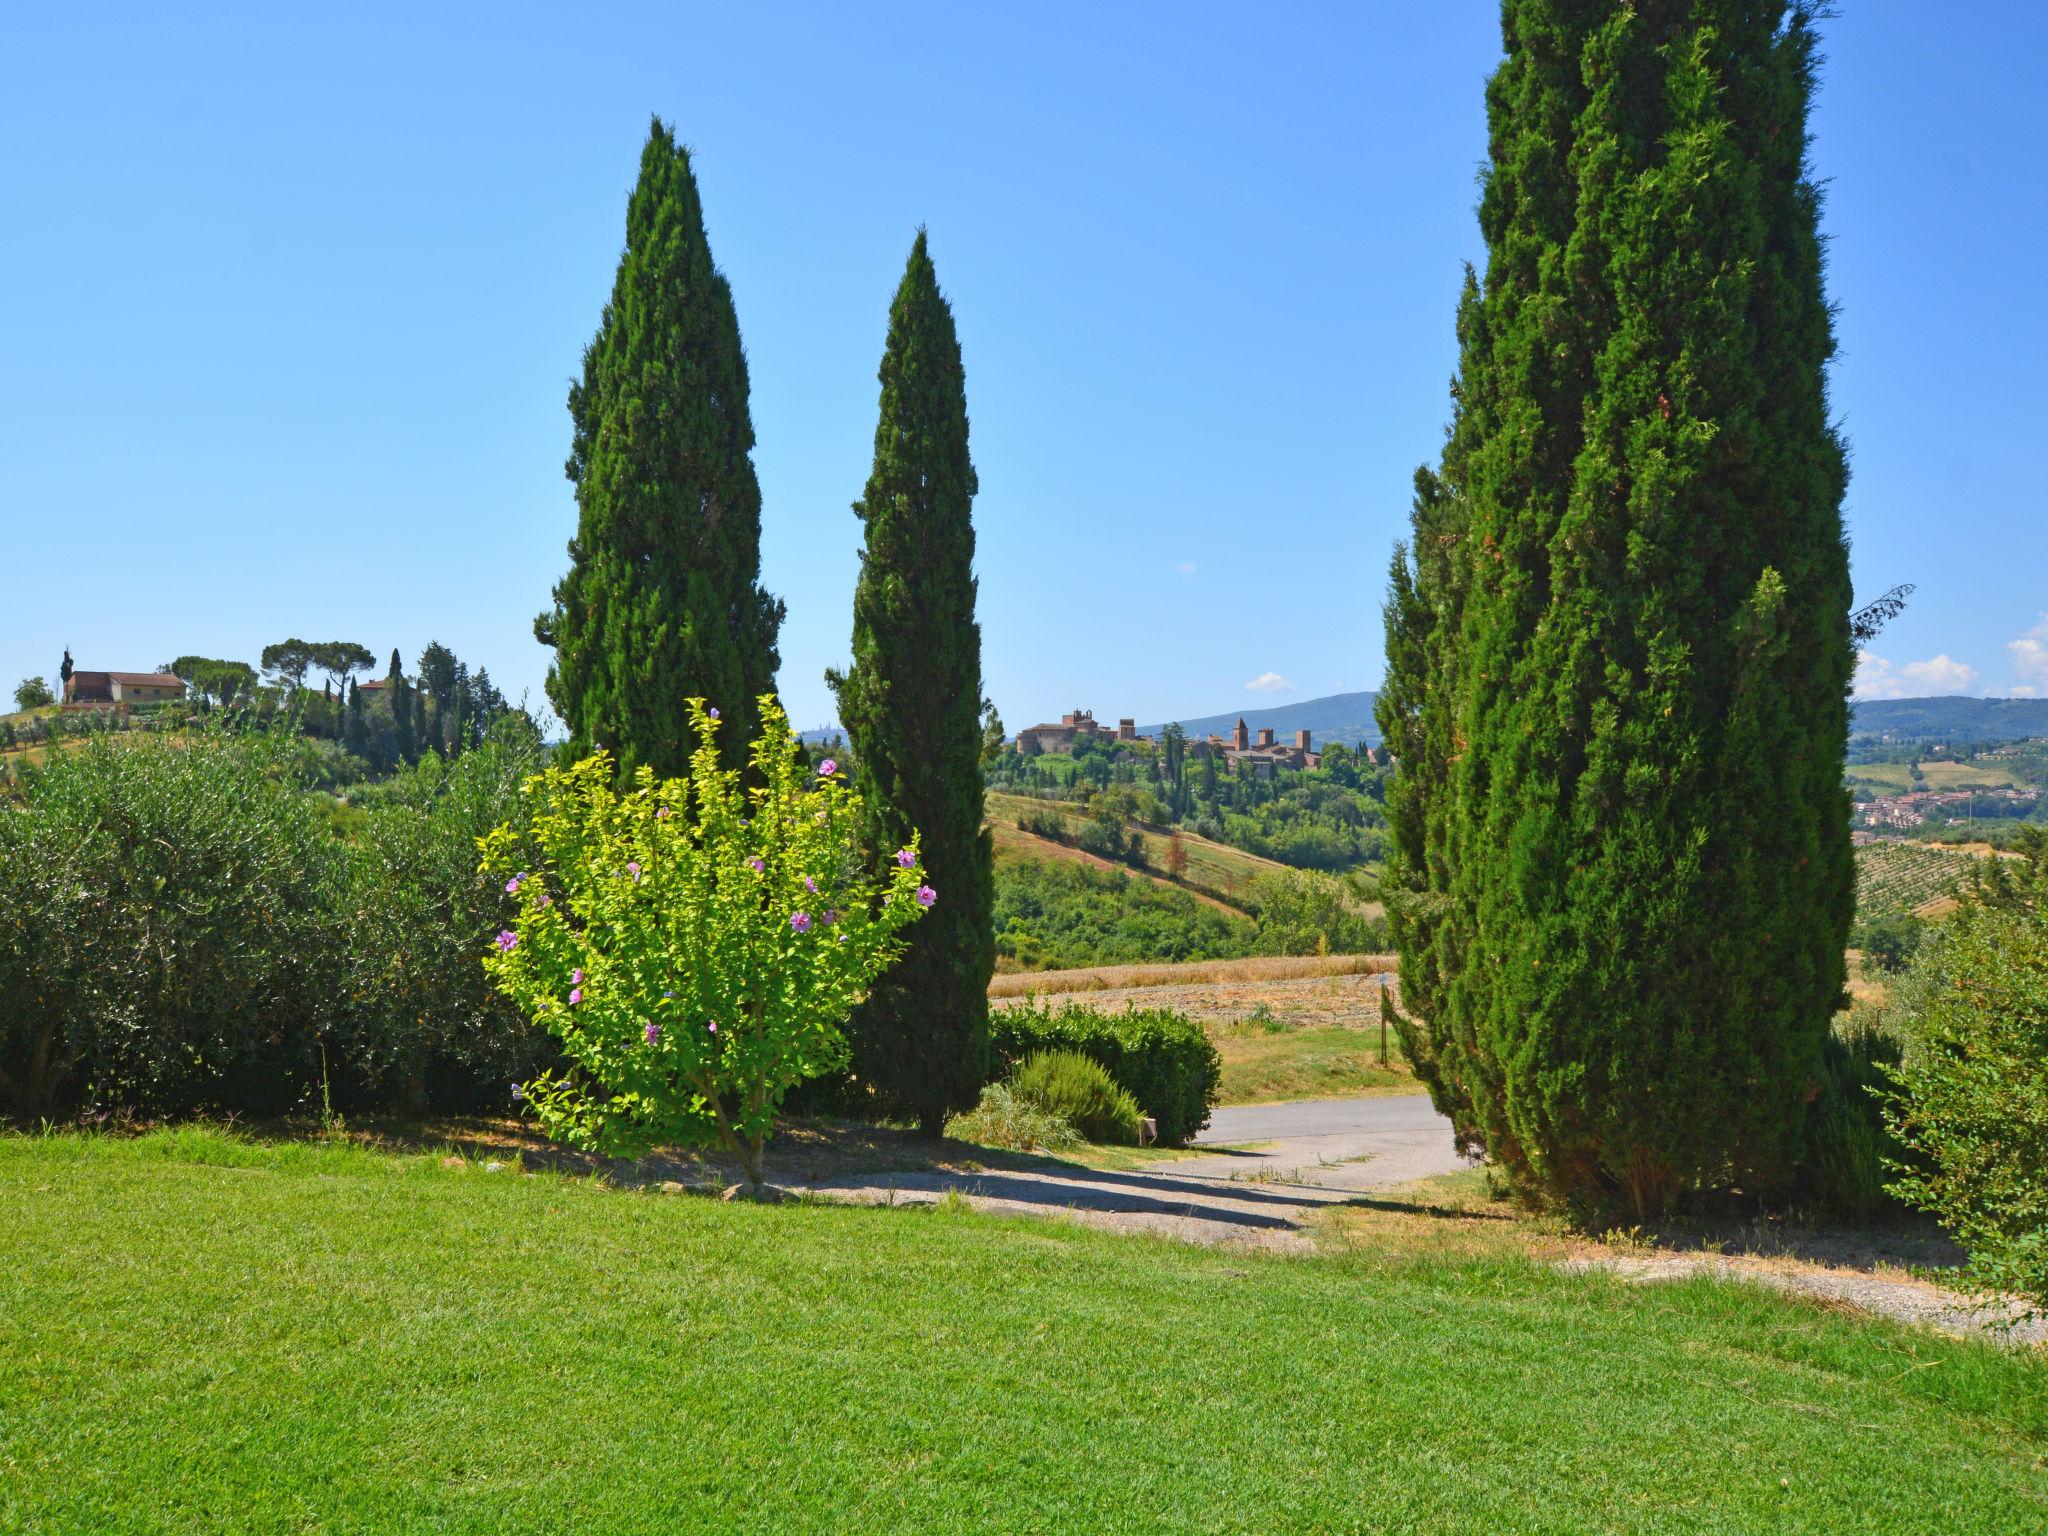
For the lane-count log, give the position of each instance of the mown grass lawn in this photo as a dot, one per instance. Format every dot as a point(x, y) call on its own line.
point(201, 1334)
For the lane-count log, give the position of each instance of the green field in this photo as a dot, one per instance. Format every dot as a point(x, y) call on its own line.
point(199, 1334)
point(1896, 778)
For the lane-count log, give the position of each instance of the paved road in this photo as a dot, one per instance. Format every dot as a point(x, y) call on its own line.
point(1337, 1144)
point(1275, 1165)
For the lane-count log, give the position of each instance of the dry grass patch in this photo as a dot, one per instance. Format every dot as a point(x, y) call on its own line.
point(1116, 978)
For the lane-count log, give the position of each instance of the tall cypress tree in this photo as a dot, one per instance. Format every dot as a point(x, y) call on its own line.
point(398, 696)
point(662, 601)
point(911, 704)
point(1618, 641)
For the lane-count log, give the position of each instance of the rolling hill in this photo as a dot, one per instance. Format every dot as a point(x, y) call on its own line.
point(1951, 718)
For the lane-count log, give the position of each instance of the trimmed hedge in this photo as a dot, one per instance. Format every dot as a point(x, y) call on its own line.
point(1163, 1059)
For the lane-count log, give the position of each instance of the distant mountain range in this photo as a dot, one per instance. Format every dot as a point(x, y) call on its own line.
point(1345, 717)
point(1951, 718)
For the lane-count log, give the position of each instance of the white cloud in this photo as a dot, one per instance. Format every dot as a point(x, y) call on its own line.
point(1270, 682)
point(2030, 660)
point(1877, 678)
point(1186, 568)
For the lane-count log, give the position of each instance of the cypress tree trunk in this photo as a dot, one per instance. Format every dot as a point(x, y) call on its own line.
point(911, 705)
point(1618, 645)
point(662, 601)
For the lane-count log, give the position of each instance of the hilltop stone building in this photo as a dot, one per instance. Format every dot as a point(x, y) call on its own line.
point(1076, 725)
point(120, 690)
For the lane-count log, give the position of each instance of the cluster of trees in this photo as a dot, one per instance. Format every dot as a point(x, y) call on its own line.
point(1330, 818)
point(663, 602)
point(445, 708)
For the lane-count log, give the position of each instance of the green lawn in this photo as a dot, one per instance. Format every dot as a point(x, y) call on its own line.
point(198, 1334)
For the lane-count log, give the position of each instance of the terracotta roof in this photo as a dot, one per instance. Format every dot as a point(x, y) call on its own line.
point(140, 679)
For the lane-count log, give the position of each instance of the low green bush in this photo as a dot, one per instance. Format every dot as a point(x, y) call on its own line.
point(1972, 1099)
point(1071, 1087)
point(1163, 1059)
point(1004, 1119)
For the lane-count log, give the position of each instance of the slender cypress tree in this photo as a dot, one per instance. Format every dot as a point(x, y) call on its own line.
point(662, 601)
point(399, 698)
point(911, 704)
point(1618, 641)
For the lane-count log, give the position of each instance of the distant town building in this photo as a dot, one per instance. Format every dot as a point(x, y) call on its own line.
point(1077, 725)
point(120, 690)
point(1264, 756)
point(1264, 753)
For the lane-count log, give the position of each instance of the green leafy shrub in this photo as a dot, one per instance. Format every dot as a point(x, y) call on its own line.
point(423, 1025)
point(1165, 1060)
point(1849, 1152)
point(1004, 1119)
point(1888, 941)
point(1972, 1091)
point(695, 947)
point(166, 927)
point(1071, 1087)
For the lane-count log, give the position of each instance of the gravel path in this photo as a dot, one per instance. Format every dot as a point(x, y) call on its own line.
point(1302, 1157)
point(1275, 1166)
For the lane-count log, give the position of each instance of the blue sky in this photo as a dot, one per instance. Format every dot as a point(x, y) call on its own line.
point(292, 299)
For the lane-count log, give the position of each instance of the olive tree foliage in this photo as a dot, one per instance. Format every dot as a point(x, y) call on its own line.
point(423, 1024)
point(165, 926)
point(1970, 1099)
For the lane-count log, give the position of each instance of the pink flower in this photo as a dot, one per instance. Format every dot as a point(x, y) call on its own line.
point(575, 996)
point(712, 1026)
point(810, 885)
point(512, 885)
point(827, 768)
point(800, 921)
point(831, 917)
point(507, 941)
point(905, 857)
point(651, 1033)
point(633, 869)
point(661, 813)
point(543, 900)
point(576, 977)
point(926, 895)
point(755, 865)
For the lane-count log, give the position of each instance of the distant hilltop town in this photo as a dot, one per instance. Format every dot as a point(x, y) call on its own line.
point(1263, 754)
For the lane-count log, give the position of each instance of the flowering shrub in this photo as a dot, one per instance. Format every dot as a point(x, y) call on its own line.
point(695, 946)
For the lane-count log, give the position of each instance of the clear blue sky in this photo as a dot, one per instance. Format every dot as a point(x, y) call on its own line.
point(292, 299)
